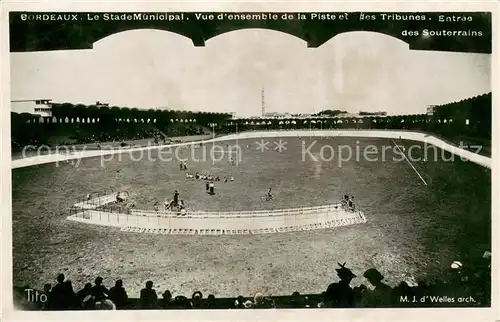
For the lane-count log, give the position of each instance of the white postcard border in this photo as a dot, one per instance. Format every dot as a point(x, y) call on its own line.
point(433, 314)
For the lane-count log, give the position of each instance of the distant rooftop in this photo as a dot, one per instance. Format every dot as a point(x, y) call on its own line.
point(33, 100)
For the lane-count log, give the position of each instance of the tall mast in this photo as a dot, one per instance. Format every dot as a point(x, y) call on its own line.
point(263, 102)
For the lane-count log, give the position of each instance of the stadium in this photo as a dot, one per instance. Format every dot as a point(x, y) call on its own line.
point(276, 209)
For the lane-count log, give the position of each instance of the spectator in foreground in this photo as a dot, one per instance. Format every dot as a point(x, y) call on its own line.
point(118, 295)
point(258, 300)
point(58, 295)
point(210, 302)
point(403, 289)
point(307, 302)
point(239, 303)
point(261, 302)
point(106, 304)
point(166, 300)
point(70, 295)
point(269, 303)
point(380, 296)
point(46, 291)
point(181, 303)
point(86, 290)
point(99, 292)
point(359, 292)
point(296, 301)
point(84, 297)
point(321, 303)
point(340, 294)
point(197, 300)
point(148, 298)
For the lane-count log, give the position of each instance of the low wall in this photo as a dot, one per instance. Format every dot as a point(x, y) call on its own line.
point(224, 223)
point(405, 135)
point(387, 134)
point(244, 213)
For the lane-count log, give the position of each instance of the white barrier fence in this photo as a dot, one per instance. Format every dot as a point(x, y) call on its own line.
point(238, 214)
point(224, 223)
point(96, 202)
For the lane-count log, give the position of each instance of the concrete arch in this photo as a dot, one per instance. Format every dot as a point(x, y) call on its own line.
point(112, 35)
point(260, 30)
point(339, 37)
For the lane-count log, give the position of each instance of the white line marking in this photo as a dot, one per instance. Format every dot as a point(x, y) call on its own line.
point(410, 163)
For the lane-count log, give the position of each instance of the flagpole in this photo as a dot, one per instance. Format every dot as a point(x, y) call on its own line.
point(237, 147)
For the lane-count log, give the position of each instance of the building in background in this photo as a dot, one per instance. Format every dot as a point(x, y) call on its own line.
point(276, 115)
point(42, 107)
point(372, 113)
point(100, 104)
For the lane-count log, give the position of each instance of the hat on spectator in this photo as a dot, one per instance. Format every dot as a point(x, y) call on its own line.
point(248, 304)
point(105, 305)
point(197, 294)
point(456, 265)
point(344, 272)
point(373, 274)
point(258, 298)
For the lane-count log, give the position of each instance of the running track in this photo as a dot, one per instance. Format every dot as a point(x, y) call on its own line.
point(404, 135)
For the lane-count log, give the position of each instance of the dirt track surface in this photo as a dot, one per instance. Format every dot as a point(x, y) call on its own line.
point(412, 229)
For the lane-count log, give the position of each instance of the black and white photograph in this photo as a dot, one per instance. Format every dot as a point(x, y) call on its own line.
point(242, 160)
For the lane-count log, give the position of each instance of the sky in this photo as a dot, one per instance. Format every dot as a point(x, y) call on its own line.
point(355, 71)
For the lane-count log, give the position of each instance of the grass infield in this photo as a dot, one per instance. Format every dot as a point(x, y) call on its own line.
point(413, 230)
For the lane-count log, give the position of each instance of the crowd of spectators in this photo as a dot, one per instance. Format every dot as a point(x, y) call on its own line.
point(469, 286)
point(67, 135)
point(114, 136)
point(135, 133)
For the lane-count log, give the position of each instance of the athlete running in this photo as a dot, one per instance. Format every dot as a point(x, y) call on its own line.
point(269, 196)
